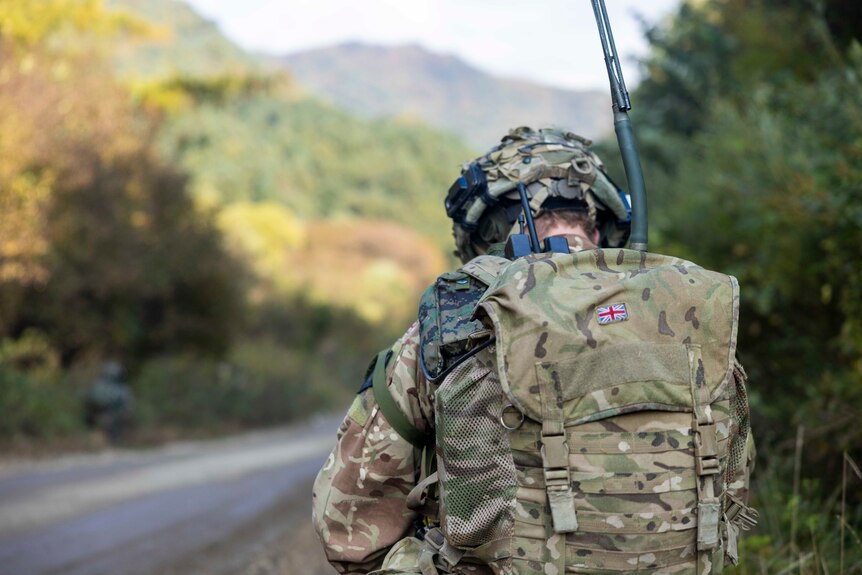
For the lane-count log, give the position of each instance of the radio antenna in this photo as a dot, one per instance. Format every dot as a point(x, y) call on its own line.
point(623, 128)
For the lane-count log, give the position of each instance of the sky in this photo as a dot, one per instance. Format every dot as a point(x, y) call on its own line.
point(554, 42)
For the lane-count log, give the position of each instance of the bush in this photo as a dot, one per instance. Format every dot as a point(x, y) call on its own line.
point(35, 406)
point(261, 383)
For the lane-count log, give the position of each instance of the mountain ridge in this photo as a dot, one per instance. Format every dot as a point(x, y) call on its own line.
point(442, 90)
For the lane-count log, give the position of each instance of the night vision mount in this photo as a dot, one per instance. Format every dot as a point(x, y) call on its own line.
point(470, 185)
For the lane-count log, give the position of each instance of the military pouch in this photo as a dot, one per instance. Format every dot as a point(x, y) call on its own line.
point(475, 465)
point(445, 313)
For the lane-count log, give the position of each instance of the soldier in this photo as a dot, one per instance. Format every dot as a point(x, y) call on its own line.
point(108, 402)
point(523, 424)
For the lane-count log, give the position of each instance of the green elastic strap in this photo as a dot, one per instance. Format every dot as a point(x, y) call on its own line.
point(390, 409)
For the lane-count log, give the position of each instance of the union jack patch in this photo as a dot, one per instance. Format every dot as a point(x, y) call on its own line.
point(612, 313)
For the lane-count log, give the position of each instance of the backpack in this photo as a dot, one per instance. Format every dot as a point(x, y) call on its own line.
point(589, 415)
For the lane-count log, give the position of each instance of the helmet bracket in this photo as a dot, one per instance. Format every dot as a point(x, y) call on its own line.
point(520, 245)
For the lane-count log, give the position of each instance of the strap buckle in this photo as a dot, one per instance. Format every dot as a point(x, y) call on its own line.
point(740, 514)
point(707, 466)
point(706, 449)
point(439, 547)
point(558, 483)
point(555, 456)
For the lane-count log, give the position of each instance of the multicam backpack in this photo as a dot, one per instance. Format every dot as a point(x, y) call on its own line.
point(590, 415)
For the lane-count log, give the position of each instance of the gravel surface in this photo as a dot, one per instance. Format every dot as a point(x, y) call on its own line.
point(295, 550)
point(280, 542)
point(234, 506)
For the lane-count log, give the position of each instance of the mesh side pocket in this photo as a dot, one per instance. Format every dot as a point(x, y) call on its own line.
point(477, 473)
point(742, 421)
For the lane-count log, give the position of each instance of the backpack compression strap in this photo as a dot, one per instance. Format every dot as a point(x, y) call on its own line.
point(391, 411)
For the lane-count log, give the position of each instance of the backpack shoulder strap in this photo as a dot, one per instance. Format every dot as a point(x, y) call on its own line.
point(393, 414)
point(485, 268)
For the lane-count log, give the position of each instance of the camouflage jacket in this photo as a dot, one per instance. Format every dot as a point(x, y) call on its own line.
point(360, 494)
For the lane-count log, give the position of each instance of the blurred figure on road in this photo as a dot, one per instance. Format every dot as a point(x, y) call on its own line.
point(108, 402)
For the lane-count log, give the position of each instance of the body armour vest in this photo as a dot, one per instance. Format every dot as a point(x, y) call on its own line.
point(596, 430)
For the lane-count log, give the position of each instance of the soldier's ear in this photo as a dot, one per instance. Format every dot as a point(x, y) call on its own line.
point(596, 236)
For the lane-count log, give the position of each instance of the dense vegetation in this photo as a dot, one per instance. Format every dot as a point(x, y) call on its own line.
point(262, 144)
point(197, 223)
point(752, 141)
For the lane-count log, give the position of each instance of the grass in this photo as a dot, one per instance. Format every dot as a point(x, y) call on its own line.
point(805, 528)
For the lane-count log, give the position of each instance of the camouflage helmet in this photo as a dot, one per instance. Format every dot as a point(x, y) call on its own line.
point(559, 172)
point(113, 370)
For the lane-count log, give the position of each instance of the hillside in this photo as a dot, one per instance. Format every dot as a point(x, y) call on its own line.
point(316, 159)
point(187, 44)
point(442, 90)
point(243, 134)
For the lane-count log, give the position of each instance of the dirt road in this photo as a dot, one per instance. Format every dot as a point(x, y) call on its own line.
point(240, 505)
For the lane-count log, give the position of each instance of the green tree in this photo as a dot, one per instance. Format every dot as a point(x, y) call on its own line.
point(264, 143)
point(752, 149)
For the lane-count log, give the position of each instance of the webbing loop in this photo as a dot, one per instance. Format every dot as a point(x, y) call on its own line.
point(709, 510)
point(555, 461)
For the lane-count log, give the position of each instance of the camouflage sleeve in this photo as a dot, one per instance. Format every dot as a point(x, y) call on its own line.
point(359, 508)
